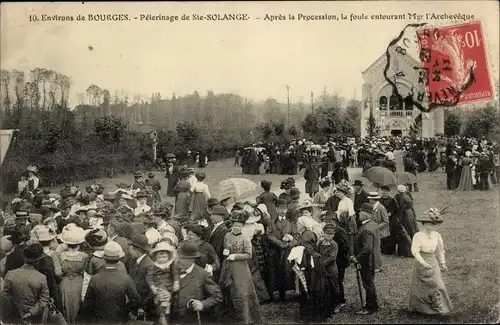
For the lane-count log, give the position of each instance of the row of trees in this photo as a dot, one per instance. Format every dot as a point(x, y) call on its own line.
point(477, 123)
point(58, 139)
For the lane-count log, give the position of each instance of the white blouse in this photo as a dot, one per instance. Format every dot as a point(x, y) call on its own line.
point(346, 205)
point(422, 243)
point(201, 187)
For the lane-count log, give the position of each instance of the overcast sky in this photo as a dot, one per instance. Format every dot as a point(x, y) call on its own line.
point(254, 58)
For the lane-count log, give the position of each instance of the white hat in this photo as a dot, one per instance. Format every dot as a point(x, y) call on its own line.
point(72, 235)
point(374, 195)
point(113, 251)
point(401, 188)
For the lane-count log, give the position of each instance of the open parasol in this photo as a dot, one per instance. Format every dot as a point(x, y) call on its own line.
point(237, 188)
point(381, 176)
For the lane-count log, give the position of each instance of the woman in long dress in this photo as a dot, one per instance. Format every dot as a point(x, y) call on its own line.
point(316, 301)
point(428, 293)
point(182, 194)
point(466, 183)
point(73, 263)
point(406, 222)
point(236, 280)
point(200, 195)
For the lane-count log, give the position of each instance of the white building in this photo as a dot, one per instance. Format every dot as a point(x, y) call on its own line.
point(393, 116)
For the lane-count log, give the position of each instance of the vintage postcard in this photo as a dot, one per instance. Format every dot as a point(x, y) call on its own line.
point(249, 162)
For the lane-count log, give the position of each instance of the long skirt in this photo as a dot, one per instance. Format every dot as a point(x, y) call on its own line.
point(258, 281)
point(182, 203)
point(428, 294)
point(465, 183)
point(240, 296)
point(71, 289)
point(198, 206)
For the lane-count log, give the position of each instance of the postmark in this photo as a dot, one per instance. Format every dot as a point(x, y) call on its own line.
point(450, 65)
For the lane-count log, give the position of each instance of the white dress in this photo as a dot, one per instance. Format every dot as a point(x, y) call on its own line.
point(428, 293)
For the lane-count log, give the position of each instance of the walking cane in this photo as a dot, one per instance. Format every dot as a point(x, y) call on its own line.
point(198, 316)
point(358, 277)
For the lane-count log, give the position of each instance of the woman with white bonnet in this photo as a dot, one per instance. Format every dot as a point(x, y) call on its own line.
point(428, 293)
point(465, 183)
point(73, 263)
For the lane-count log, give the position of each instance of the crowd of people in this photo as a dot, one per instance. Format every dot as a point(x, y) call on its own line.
point(111, 255)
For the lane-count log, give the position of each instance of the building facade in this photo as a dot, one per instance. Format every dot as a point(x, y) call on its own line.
point(394, 114)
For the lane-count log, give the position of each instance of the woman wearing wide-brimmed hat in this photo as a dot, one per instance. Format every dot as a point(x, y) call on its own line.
point(72, 267)
point(236, 280)
point(428, 293)
point(33, 178)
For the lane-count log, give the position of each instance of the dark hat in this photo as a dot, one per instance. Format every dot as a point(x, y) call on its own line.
point(385, 188)
point(366, 207)
point(138, 174)
point(23, 206)
point(123, 185)
point(212, 202)
point(141, 194)
point(147, 218)
point(33, 252)
point(238, 216)
point(295, 193)
point(329, 228)
point(358, 182)
point(219, 210)
point(151, 174)
point(188, 250)
point(164, 209)
point(238, 206)
point(96, 238)
point(282, 202)
point(66, 192)
point(266, 183)
point(140, 241)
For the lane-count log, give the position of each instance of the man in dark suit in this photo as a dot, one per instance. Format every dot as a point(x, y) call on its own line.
point(140, 262)
point(26, 289)
point(117, 232)
point(108, 291)
point(450, 170)
point(360, 197)
point(278, 252)
point(217, 233)
point(366, 246)
point(198, 292)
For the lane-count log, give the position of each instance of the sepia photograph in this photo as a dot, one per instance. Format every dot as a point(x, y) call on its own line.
point(253, 162)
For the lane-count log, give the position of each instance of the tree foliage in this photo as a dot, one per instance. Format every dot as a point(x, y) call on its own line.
point(483, 122)
point(372, 129)
point(452, 123)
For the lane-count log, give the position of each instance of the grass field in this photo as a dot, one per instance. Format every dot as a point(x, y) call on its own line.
point(471, 237)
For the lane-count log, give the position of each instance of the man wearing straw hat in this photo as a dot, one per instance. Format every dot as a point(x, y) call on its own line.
point(109, 289)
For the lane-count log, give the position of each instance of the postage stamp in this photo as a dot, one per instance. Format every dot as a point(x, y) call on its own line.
point(450, 65)
point(454, 63)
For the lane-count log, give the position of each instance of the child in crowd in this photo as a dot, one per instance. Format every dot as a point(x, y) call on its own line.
point(163, 278)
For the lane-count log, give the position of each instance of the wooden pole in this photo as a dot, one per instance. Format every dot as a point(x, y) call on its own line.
point(312, 102)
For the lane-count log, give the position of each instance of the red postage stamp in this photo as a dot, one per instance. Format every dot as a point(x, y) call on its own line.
point(454, 64)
